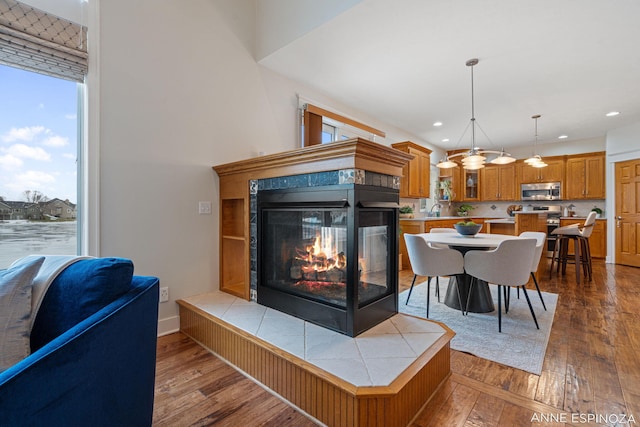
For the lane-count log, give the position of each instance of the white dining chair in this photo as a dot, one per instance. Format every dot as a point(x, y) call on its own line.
point(541, 238)
point(429, 261)
point(442, 246)
point(508, 265)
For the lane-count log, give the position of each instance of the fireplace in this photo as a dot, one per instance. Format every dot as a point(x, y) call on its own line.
point(329, 254)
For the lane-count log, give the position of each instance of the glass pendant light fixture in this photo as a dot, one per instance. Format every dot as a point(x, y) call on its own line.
point(535, 160)
point(474, 158)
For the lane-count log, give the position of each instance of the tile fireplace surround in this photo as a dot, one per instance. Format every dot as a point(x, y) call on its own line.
point(383, 376)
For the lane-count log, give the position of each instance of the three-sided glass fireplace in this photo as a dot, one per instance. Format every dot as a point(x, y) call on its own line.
point(329, 255)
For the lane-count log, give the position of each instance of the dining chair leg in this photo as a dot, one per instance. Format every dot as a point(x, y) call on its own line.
point(438, 287)
point(506, 290)
point(499, 309)
point(538, 288)
point(428, 294)
point(411, 288)
point(524, 290)
point(458, 278)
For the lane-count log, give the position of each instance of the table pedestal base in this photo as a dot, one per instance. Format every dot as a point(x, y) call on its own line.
point(480, 300)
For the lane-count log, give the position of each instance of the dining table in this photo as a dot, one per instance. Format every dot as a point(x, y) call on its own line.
point(480, 300)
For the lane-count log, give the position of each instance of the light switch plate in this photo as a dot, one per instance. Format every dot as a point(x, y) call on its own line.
point(204, 208)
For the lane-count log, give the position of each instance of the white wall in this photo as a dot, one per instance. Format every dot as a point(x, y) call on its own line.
point(180, 92)
point(561, 148)
point(282, 21)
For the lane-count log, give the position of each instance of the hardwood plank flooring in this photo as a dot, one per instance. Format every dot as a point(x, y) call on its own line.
point(591, 368)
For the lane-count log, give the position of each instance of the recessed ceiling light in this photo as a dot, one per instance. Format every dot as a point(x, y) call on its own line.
point(445, 140)
point(563, 137)
point(612, 113)
point(437, 124)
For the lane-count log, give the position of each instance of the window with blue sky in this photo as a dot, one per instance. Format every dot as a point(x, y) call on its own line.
point(38, 135)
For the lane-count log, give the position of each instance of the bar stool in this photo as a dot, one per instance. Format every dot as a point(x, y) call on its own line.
point(579, 233)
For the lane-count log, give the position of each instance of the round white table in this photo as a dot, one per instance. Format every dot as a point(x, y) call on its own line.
point(480, 300)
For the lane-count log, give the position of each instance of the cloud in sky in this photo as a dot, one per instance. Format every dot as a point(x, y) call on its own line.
point(28, 152)
point(55, 141)
point(10, 162)
point(23, 134)
point(36, 180)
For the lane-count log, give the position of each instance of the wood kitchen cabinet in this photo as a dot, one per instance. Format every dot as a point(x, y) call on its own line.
point(452, 175)
point(553, 172)
point(408, 226)
point(597, 240)
point(498, 182)
point(470, 184)
point(415, 181)
point(585, 177)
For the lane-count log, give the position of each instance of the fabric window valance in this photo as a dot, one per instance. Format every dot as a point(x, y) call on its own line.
point(34, 40)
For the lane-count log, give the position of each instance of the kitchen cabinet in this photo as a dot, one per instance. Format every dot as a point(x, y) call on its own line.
point(470, 185)
point(409, 226)
point(553, 172)
point(452, 176)
point(597, 240)
point(415, 180)
point(585, 177)
point(498, 182)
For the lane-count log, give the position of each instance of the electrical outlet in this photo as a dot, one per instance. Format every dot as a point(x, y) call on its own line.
point(164, 294)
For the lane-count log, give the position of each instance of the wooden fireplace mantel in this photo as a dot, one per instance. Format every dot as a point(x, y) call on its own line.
point(356, 153)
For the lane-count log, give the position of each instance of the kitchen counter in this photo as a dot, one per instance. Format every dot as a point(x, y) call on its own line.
point(436, 218)
point(500, 220)
point(581, 218)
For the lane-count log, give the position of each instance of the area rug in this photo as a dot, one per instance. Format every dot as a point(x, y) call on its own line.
point(520, 345)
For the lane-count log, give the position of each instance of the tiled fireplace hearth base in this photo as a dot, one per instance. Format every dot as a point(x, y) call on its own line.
point(357, 385)
point(393, 372)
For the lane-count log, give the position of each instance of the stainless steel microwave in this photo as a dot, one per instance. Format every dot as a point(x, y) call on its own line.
point(540, 191)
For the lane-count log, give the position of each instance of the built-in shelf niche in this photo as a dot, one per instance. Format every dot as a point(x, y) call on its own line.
point(233, 245)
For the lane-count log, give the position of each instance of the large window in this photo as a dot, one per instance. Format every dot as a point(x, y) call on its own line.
point(38, 165)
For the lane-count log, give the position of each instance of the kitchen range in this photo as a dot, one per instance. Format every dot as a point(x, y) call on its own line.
point(554, 212)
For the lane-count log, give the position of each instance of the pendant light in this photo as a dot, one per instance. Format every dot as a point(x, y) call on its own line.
point(474, 158)
point(535, 160)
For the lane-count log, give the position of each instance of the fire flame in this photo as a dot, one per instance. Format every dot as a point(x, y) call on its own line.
point(322, 256)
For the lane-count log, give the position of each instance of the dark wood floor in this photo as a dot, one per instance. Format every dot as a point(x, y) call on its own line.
point(591, 368)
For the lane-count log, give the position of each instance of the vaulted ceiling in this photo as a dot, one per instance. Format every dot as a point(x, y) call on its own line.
point(571, 61)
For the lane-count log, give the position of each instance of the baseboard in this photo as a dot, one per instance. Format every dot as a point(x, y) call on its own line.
point(168, 325)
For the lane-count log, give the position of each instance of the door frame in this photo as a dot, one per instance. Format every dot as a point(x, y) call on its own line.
point(610, 202)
